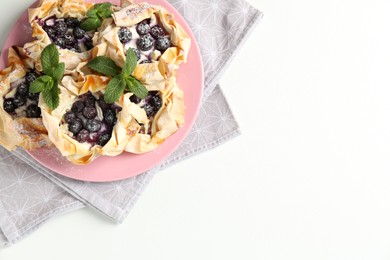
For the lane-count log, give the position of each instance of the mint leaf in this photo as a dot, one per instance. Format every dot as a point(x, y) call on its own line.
point(41, 83)
point(49, 59)
point(136, 87)
point(104, 65)
point(103, 10)
point(92, 13)
point(114, 89)
point(91, 23)
point(130, 64)
point(58, 71)
point(52, 96)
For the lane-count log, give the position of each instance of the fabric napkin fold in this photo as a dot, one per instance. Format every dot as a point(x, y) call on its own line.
point(31, 194)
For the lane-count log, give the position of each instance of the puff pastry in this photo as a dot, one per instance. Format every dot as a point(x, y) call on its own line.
point(20, 117)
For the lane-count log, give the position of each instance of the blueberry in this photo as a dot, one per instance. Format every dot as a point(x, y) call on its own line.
point(109, 117)
point(103, 139)
point(90, 101)
point(78, 106)
point(103, 104)
point(163, 43)
point(33, 96)
point(93, 125)
point(157, 32)
point(60, 27)
point(135, 99)
point(82, 136)
point(76, 126)
point(60, 42)
point(31, 76)
point(78, 33)
point(145, 43)
point(72, 22)
point(70, 117)
point(19, 101)
point(149, 110)
point(8, 105)
point(69, 39)
point(137, 53)
point(156, 102)
point(74, 48)
point(88, 44)
point(22, 90)
point(89, 112)
point(51, 32)
point(124, 35)
point(33, 111)
point(93, 137)
point(143, 27)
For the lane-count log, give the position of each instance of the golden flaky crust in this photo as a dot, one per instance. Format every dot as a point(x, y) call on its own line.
point(83, 153)
point(59, 9)
point(28, 133)
point(107, 43)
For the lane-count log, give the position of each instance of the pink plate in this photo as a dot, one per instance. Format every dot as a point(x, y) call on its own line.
point(103, 169)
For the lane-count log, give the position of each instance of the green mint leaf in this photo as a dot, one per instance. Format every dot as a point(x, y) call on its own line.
point(103, 10)
point(136, 87)
point(41, 83)
point(114, 89)
point(52, 96)
point(49, 59)
point(92, 12)
point(91, 23)
point(58, 72)
point(104, 65)
point(130, 64)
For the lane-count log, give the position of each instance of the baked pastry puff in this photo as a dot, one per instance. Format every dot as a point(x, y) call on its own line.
point(20, 117)
point(158, 116)
point(83, 126)
point(159, 42)
point(57, 21)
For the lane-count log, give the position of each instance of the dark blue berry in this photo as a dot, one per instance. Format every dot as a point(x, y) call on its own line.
point(74, 48)
point(89, 112)
point(109, 117)
point(143, 27)
point(76, 126)
point(8, 105)
point(93, 137)
point(156, 102)
point(72, 22)
point(93, 125)
point(157, 32)
point(19, 101)
point(70, 117)
point(149, 110)
point(124, 35)
point(69, 39)
point(145, 43)
point(22, 90)
point(82, 136)
point(33, 111)
point(90, 101)
point(88, 44)
point(33, 96)
point(103, 139)
point(60, 42)
point(163, 43)
point(78, 106)
point(135, 99)
point(103, 104)
point(51, 32)
point(60, 27)
point(31, 76)
point(78, 33)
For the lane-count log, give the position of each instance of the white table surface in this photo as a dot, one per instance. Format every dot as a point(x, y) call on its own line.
point(308, 179)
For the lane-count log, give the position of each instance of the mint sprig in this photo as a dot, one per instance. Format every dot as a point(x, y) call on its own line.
point(122, 80)
point(48, 84)
point(95, 16)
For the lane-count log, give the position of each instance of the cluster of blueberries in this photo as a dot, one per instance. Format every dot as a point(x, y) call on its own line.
point(84, 123)
point(67, 34)
point(23, 97)
point(152, 103)
point(149, 37)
